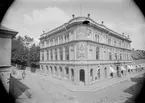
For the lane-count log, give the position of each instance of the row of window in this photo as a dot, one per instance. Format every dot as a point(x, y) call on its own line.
point(56, 40)
point(65, 38)
point(120, 57)
point(54, 56)
point(108, 40)
point(59, 56)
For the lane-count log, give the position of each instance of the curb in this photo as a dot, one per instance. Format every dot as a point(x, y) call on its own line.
point(99, 87)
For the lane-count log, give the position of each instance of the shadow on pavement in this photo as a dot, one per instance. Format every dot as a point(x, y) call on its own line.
point(137, 91)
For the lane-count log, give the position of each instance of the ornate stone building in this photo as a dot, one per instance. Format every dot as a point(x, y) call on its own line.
point(83, 51)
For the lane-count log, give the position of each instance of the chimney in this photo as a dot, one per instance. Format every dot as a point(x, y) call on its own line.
point(73, 15)
point(102, 22)
point(88, 15)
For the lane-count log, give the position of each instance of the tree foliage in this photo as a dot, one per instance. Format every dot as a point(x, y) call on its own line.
point(24, 51)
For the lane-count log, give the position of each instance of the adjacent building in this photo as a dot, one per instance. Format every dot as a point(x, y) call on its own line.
point(82, 51)
point(6, 36)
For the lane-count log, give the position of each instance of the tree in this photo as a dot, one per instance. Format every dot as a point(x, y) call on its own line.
point(24, 51)
point(18, 51)
point(34, 55)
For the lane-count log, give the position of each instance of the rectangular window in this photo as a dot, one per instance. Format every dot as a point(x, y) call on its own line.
point(95, 37)
point(42, 56)
point(61, 39)
point(47, 54)
point(115, 56)
point(127, 56)
point(61, 53)
point(114, 43)
point(119, 44)
point(51, 54)
point(55, 54)
point(97, 53)
point(98, 38)
point(120, 57)
point(67, 53)
point(109, 41)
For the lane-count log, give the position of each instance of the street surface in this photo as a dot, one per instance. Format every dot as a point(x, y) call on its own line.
point(45, 91)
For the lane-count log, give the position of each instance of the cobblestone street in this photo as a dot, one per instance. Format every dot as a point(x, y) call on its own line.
point(50, 90)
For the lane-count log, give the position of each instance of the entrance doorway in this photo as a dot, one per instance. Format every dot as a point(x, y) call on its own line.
point(82, 75)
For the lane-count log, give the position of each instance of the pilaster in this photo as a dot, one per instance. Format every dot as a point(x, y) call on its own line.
point(76, 76)
point(63, 53)
point(86, 76)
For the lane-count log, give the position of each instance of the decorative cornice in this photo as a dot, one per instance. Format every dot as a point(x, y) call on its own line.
point(79, 20)
point(74, 41)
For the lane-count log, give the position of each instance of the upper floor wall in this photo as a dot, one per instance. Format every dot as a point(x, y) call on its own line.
point(84, 32)
point(83, 50)
point(76, 29)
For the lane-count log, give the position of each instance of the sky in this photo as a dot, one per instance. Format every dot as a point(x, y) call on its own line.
point(32, 17)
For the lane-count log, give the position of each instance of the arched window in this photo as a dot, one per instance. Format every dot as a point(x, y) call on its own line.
point(91, 72)
point(66, 70)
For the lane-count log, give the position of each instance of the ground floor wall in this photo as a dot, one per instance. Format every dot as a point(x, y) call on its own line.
point(85, 74)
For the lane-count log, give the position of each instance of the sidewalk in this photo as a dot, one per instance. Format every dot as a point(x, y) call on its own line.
point(92, 87)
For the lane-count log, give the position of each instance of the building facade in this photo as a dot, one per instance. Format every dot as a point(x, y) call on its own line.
point(82, 51)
